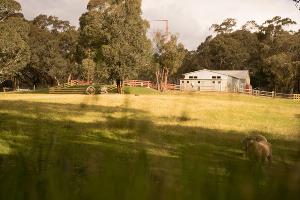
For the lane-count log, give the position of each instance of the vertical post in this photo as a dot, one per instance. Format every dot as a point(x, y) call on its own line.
point(33, 87)
point(273, 94)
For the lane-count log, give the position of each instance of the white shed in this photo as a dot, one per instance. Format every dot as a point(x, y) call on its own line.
point(216, 80)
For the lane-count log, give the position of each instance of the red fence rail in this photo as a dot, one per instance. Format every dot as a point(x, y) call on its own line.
point(149, 84)
point(138, 83)
point(80, 82)
point(173, 87)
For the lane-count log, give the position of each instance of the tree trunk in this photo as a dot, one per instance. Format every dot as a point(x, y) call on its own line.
point(166, 79)
point(14, 83)
point(69, 79)
point(119, 86)
point(157, 79)
point(162, 85)
point(58, 83)
point(221, 64)
point(162, 79)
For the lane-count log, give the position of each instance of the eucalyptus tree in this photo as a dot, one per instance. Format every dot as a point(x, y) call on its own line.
point(169, 56)
point(53, 44)
point(284, 71)
point(9, 8)
point(116, 33)
point(297, 3)
point(226, 26)
point(270, 51)
point(89, 67)
point(14, 30)
point(271, 28)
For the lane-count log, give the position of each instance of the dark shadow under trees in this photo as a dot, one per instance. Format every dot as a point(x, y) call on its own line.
point(131, 157)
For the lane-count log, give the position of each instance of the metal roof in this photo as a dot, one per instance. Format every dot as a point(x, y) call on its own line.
point(240, 74)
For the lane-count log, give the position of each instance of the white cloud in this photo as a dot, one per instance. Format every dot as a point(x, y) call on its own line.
point(191, 19)
point(69, 10)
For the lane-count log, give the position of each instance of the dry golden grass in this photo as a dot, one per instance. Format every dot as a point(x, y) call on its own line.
point(162, 146)
point(226, 112)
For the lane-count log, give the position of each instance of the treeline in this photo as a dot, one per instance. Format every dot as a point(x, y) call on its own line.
point(111, 44)
point(270, 51)
point(40, 52)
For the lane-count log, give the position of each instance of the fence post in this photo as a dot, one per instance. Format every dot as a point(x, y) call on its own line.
point(273, 94)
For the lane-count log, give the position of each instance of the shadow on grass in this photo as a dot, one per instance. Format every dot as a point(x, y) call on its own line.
point(131, 157)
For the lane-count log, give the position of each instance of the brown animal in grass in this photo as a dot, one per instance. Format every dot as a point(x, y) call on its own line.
point(257, 148)
point(257, 138)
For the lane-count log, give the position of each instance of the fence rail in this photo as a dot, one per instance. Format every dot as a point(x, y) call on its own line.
point(80, 82)
point(271, 94)
point(149, 84)
point(138, 83)
point(173, 87)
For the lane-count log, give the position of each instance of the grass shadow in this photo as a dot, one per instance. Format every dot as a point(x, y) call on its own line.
point(129, 156)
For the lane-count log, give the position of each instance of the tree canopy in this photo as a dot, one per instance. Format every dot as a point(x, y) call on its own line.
point(53, 43)
point(111, 44)
point(8, 8)
point(14, 30)
point(116, 33)
point(168, 56)
point(270, 51)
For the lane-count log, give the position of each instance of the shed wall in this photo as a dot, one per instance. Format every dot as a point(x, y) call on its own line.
point(206, 80)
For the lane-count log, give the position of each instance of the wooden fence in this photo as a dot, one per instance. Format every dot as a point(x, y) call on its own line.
point(138, 83)
point(149, 84)
point(271, 94)
point(67, 89)
point(173, 87)
point(80, 82)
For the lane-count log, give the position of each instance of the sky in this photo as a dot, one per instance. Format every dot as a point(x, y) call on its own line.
point(189, 19)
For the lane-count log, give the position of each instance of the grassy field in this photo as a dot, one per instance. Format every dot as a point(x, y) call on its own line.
point(155, 146)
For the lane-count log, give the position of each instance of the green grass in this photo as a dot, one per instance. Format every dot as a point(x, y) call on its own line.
point(149, 146)
point(140, 91)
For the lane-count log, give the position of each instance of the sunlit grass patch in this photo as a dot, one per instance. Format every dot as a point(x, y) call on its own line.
point(176, 145)
point(4, 147)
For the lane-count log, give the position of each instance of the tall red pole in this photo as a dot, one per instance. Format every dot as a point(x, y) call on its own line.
point(166, 25)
